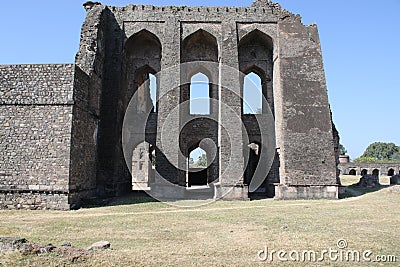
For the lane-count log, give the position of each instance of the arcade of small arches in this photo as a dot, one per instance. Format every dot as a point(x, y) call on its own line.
point(142, 62)
point(374, 170)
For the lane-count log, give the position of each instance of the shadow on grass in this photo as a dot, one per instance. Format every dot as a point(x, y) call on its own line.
point(356, 190)
point(134, 197)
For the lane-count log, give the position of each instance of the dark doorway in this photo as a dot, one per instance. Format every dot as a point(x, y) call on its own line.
point(364, 172)
point(352, 172)
point(198, 171)
point(390, 172)
point(375, 172)
point(254, 157)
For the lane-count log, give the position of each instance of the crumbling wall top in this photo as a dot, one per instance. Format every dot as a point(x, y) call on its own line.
point(89, 5)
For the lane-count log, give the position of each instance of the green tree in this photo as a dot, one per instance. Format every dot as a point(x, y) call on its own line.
point(343, 150)
point(396, 156)
point(202, 161)
point(364, 159)
point(381, 151)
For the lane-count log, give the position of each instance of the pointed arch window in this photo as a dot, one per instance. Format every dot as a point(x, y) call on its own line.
point(252, 94)
point(199, 94)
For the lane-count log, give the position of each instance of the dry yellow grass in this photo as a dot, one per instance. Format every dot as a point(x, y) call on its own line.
point(219, 234)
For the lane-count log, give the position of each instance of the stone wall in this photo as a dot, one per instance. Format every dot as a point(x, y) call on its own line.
point(358, 167)
point(305, 138)
point(61, 125)
point(35, 135)
point(88, 82)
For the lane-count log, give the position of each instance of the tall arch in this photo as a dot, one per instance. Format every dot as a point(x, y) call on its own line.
point(256, 55)
point(142, 58)
point(141, 62)
point(199, 48)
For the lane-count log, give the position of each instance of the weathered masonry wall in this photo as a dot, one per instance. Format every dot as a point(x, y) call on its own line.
point(61, 125)
point(359, 168)
point(88, 80)
point(294, 74)
point(35, 135)
point(307, 136)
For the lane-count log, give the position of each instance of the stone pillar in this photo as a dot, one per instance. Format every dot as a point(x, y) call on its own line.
point(167, 140)
point(304, 127)
point(230, 144)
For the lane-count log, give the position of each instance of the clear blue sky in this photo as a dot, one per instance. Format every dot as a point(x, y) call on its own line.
point(360, 42)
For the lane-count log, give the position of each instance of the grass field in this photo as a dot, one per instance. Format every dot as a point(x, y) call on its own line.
point(219, 234)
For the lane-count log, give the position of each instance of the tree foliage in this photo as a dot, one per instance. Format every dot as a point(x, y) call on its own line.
point(365, 159)
point(343, 150)
point(202, 161)
point(396, 156)
point(381, 151)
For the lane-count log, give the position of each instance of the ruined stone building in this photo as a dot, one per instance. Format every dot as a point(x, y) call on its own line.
point(92, 129)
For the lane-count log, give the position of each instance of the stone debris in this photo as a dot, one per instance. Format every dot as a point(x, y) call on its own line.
point(21, 245)
point(368, 180)
point(99, 245)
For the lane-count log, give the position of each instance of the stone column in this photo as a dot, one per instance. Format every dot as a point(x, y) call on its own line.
point(304, 128)
point(167, 140)
point(230, 129)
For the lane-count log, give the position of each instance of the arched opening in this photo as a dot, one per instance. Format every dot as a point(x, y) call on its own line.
point(199, 79)
point(146, 93)
point(199, 94)
point(142, 60)
point(256, 56)
point(390, 172)
point(143, 166)
point(252, 94)
point(352, 172)
point(197, 171)
point(254, 151)
point(364, 172)
point(375, 172)
point(153, 91)
point(199, 46)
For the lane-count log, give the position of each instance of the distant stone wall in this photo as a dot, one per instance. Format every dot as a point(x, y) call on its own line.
point(357, 168)
point(35, 135)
